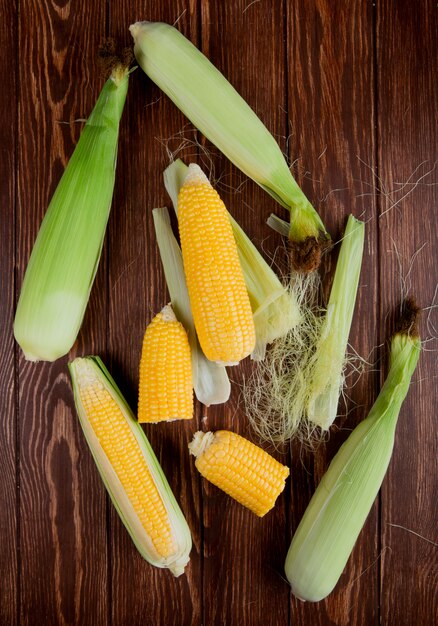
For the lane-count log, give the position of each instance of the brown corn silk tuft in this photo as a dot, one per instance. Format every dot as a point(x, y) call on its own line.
point(109, 58)
point(305, 256)
point(408, 322)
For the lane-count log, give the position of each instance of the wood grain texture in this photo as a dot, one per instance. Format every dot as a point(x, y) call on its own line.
point(9, 599)
point(408, 140)
point(331, 109)
point(243, 554)
point(63, 574)
point(349, 90)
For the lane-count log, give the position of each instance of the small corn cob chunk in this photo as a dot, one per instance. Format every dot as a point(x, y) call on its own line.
point(241, 469)
point(218, 295)
point(129, 468)
point(166, 388)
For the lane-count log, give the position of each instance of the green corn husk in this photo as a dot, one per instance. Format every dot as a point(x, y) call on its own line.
point(88, 375)
point(327, 375)
point(340, 505)
point(204, 95)
point(275, 309)
point(210, 380)
point(66, 253)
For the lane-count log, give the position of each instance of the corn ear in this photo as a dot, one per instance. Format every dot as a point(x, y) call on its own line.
point(340, 505)
point(275, 309)
point(129, 468)
point(218, 295)
point(65, 257)
point(165, 389)
point(204, 95)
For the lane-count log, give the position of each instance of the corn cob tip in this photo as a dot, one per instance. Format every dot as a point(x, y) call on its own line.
point(86, 374)
point(167, 313)
point(200, 442)
point(195, 176)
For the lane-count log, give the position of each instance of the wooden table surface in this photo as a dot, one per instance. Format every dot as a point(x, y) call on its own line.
point(350, 91)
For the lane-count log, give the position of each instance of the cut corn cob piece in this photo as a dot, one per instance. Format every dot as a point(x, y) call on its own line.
point(66, 254)
point(166, 388)
point(210, 380)
point(204, 95)
point(241, 469)
point(218, 296)
point(129, 468)
point(275, 308)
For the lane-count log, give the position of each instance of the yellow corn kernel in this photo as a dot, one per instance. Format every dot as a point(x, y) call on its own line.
point(125, 456)
point(241, 469)
point(166, 387)
point(218, 295)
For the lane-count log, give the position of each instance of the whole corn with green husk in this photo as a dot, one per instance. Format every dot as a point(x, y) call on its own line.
point(209, 101)
point(218, 296)
point(165, 387)
point(241, 469)
point(339, 507)
point(210, 380)
point(275, 309)
point(65, 257)
point(129, 468)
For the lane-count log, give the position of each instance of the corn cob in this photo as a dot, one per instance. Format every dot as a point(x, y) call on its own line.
point(218, 296)
point(129, 468)
point(241, 469)
point(166, 389)
point(275, 308)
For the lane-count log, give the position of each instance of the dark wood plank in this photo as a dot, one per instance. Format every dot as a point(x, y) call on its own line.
point(63, 504)
point(330, 104)
point(243, 554)
point(8, 423)
point(137, 292)
point(408, 92)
